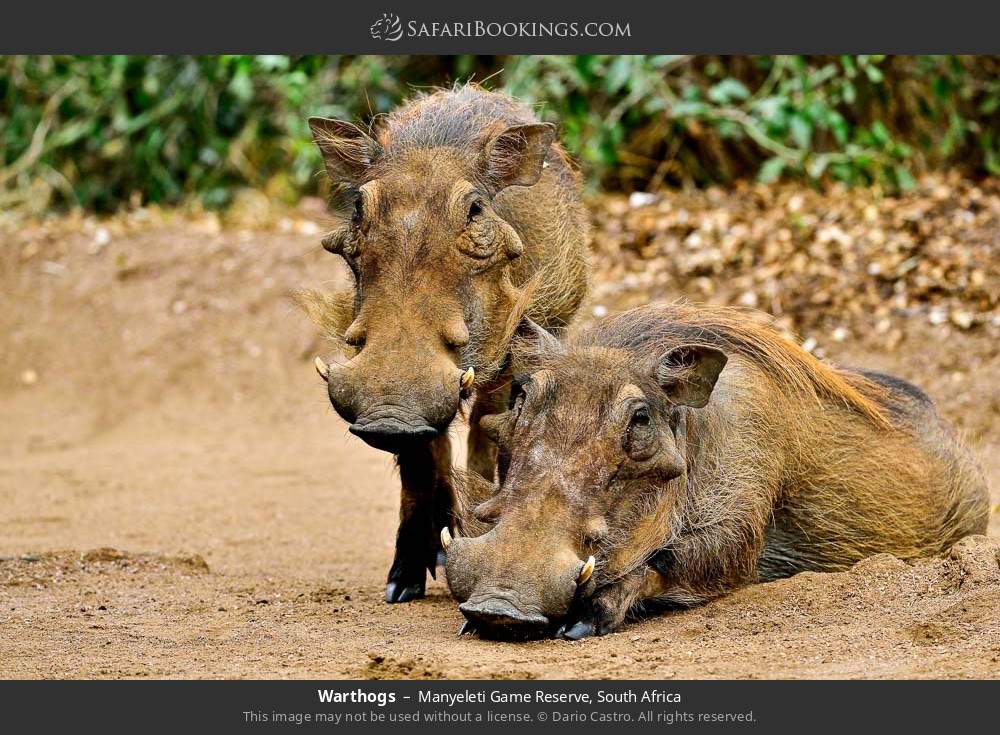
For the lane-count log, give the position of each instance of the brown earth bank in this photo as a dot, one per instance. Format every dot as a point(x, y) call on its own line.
point(177, 498)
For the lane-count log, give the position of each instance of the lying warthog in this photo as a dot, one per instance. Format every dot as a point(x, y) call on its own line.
point(673, 453)
point(458, 215)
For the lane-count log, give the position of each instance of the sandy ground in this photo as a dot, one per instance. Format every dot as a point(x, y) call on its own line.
point(177, 499)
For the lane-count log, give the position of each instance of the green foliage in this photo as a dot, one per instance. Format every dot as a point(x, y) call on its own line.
point(97, 131)
point(165, 128)
point(643, 120)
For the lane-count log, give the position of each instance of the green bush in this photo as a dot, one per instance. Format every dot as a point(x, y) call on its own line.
point(166, 127)
point(99, 131)
point(640, 121)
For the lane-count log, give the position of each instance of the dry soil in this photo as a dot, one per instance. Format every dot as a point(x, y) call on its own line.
point(177, 498)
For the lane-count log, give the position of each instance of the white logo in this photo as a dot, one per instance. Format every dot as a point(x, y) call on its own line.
point(387, 28)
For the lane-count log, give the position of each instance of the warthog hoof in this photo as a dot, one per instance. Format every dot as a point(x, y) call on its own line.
point(401, 592)
point(577, 630)
point(408, 577)
point(591, 620)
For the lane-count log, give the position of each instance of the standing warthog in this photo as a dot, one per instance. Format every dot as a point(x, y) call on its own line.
point(674, 453)
point(457, 215)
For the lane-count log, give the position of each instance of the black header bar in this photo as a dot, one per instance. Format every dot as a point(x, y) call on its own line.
point(507, 27)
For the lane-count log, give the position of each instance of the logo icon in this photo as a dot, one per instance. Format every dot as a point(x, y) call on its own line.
point(387, 28)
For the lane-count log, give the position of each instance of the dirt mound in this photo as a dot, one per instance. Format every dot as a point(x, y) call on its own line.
point(158, 396)
point(948, 603)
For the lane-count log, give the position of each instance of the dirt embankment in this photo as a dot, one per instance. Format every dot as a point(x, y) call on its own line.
point(178, 499)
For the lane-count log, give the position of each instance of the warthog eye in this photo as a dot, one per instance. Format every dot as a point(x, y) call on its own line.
point(639, 437)
point(359, 212)
point(475, 209)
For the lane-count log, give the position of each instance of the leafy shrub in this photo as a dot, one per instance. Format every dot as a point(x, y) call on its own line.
point(97, 131)
point(640, 121)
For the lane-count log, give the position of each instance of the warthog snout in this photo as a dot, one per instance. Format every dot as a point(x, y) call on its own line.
point(519, 594)
point(383, 418)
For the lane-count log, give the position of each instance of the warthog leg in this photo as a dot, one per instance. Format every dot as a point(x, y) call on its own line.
point(426, 506)
point(605, 610)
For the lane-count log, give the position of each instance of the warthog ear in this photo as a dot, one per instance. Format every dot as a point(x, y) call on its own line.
point(533, 341)
point(688, 373)
point(516, 156)
point(347, 150)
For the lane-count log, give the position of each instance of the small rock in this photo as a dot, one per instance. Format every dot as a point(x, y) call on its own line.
point(51, 268)
point(962, 318)
point(29, 377)
point(640, 199)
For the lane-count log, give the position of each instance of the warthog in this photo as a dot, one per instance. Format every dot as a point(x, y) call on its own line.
point(457, 215)
point(673, 453)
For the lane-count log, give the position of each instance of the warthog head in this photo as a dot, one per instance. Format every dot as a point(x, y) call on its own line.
point(592, 441)
point(430, 250)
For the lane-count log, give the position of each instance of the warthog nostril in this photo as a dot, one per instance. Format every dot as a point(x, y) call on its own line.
point(494, 612)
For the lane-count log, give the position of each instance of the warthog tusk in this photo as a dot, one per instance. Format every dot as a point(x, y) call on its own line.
point(467, 377)
point(322, 368)
point(466, 627)
point(585, 573)
point(445, 538)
